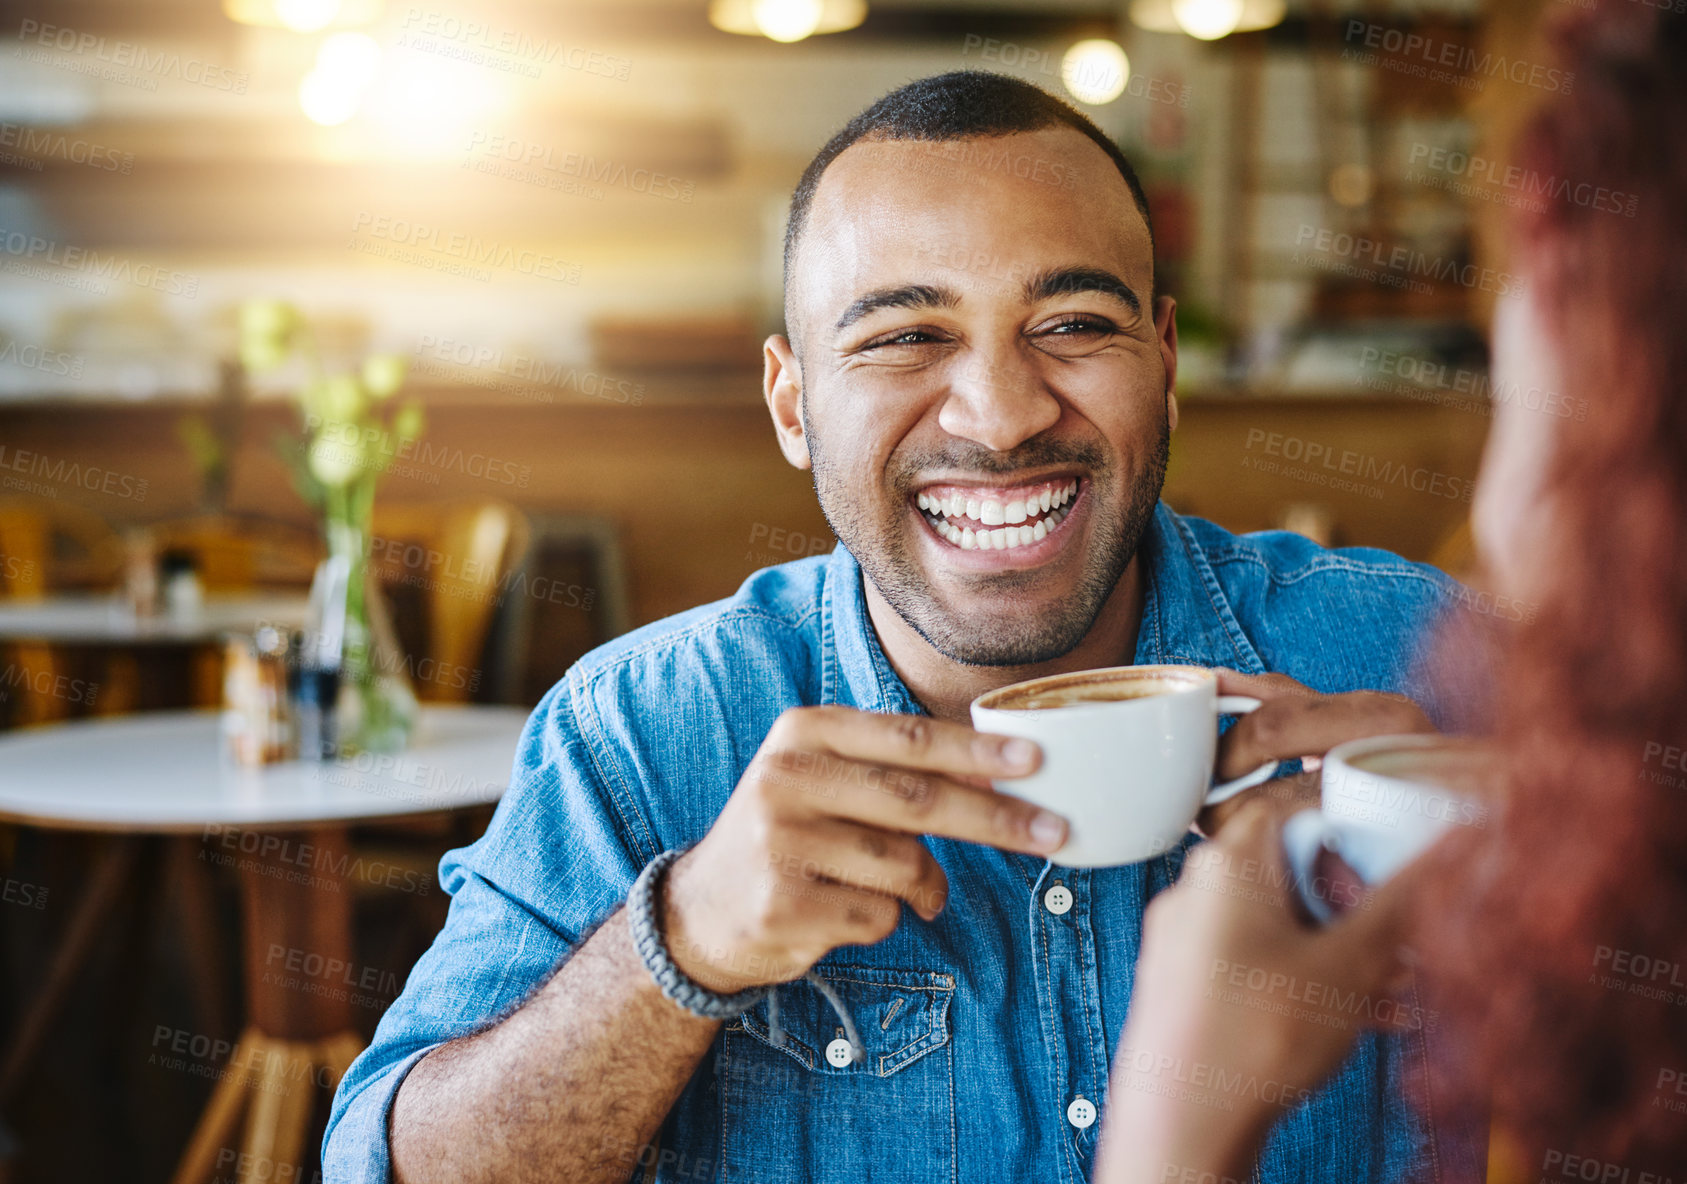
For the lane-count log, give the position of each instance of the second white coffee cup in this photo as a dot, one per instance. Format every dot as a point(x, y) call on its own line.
point(1385, 800)
point(1127, 754)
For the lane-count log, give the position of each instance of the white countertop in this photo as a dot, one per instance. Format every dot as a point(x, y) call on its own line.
point(167, 772)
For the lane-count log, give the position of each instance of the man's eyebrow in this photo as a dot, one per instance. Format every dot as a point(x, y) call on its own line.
point(1061, 281)
point(905, 296)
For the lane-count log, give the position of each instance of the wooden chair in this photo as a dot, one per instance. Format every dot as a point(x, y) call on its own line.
point(444, 568)
point(240, 553)
point(48, 546)
point(452, 559)
point(1455, 554)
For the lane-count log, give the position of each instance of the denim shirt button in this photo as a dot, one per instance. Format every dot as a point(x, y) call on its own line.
point(1058, 900)
point(839, 1054)
point(1081, 1113)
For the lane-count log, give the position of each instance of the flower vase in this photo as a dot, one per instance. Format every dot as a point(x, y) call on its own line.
point(376, 709)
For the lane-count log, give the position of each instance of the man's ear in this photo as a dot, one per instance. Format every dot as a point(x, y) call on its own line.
point(1165, 324)
point(782, 388)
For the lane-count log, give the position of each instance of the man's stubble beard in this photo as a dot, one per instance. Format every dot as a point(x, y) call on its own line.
point(882, 549)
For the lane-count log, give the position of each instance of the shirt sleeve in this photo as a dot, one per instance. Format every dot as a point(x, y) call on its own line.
point(556, 859)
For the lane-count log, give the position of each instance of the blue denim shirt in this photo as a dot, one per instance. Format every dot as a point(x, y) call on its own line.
point(982, 1027)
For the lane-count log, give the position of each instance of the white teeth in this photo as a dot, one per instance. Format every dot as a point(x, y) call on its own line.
point(1020, 523)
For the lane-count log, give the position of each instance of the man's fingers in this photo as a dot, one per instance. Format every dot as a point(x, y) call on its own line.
point(876, 861)
point(913, 802)
point(904, 741)
point(1292, 726)
point(835, 915)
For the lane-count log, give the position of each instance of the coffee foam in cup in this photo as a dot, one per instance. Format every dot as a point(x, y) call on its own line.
point(1091, 687)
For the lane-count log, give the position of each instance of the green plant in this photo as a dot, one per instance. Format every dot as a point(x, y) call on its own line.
point(353, 431)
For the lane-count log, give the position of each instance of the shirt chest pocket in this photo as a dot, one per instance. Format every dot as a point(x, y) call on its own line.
point(801, 1112)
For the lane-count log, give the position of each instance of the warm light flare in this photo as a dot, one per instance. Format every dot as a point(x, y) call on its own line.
point(788, 20)
point(306, 16)
point(346, 67)
point(303, 16)
point(1095, 71)
point(1163, 16)
point(1208, 20)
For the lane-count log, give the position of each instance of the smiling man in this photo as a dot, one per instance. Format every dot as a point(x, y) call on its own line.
point(750, 911)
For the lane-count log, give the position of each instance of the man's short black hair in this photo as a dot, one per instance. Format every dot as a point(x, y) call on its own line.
point(960, 105)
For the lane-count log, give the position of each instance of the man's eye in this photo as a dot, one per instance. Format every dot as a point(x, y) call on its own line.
point(1077, 325)
point(906, 337)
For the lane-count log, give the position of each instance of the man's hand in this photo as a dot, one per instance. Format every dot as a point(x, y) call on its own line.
point(818, 846)
point(1297, 722)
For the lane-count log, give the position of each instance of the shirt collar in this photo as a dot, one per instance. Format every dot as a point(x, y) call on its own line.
point(1186, 618)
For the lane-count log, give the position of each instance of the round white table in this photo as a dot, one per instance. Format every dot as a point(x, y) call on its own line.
point(108, 619)
point(282, 829)
point(166, 772)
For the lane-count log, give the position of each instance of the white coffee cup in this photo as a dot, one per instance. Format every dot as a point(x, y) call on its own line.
point(1385, 800)
point(1127, 754)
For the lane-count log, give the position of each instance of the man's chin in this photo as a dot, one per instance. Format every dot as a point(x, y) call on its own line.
point(997, 629)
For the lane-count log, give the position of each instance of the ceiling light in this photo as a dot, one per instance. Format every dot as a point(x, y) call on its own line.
point(307, 16)
point(1163, 16)
point(303, 16)
point(786, 20)
point(1207, 20)
point(346, 65)
point(1095, 71)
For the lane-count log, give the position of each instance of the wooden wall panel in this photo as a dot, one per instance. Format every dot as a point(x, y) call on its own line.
point(702, 496)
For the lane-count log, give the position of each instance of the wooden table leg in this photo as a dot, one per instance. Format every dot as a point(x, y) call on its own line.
point(222, 1114)
point(299, 980)
point(280, 1113)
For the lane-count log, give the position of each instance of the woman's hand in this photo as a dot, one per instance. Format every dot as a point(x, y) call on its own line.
point(1240, 1010)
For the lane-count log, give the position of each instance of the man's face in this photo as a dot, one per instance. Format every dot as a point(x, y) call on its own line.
point(983, 383)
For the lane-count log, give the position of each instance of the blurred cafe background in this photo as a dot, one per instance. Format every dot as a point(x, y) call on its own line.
point(365, 362)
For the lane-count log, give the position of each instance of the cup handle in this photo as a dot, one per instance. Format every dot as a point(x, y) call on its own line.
point(1223, 792)
point(1305, 835)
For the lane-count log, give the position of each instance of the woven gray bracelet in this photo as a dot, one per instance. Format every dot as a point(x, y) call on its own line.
point(653, 951)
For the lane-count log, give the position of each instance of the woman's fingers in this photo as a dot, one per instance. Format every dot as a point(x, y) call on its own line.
point(1290, 793)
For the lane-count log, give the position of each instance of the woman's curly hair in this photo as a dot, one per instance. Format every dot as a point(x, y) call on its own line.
point(1559, 942)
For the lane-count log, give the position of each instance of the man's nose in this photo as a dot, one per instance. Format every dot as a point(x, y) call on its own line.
point(997, 400)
